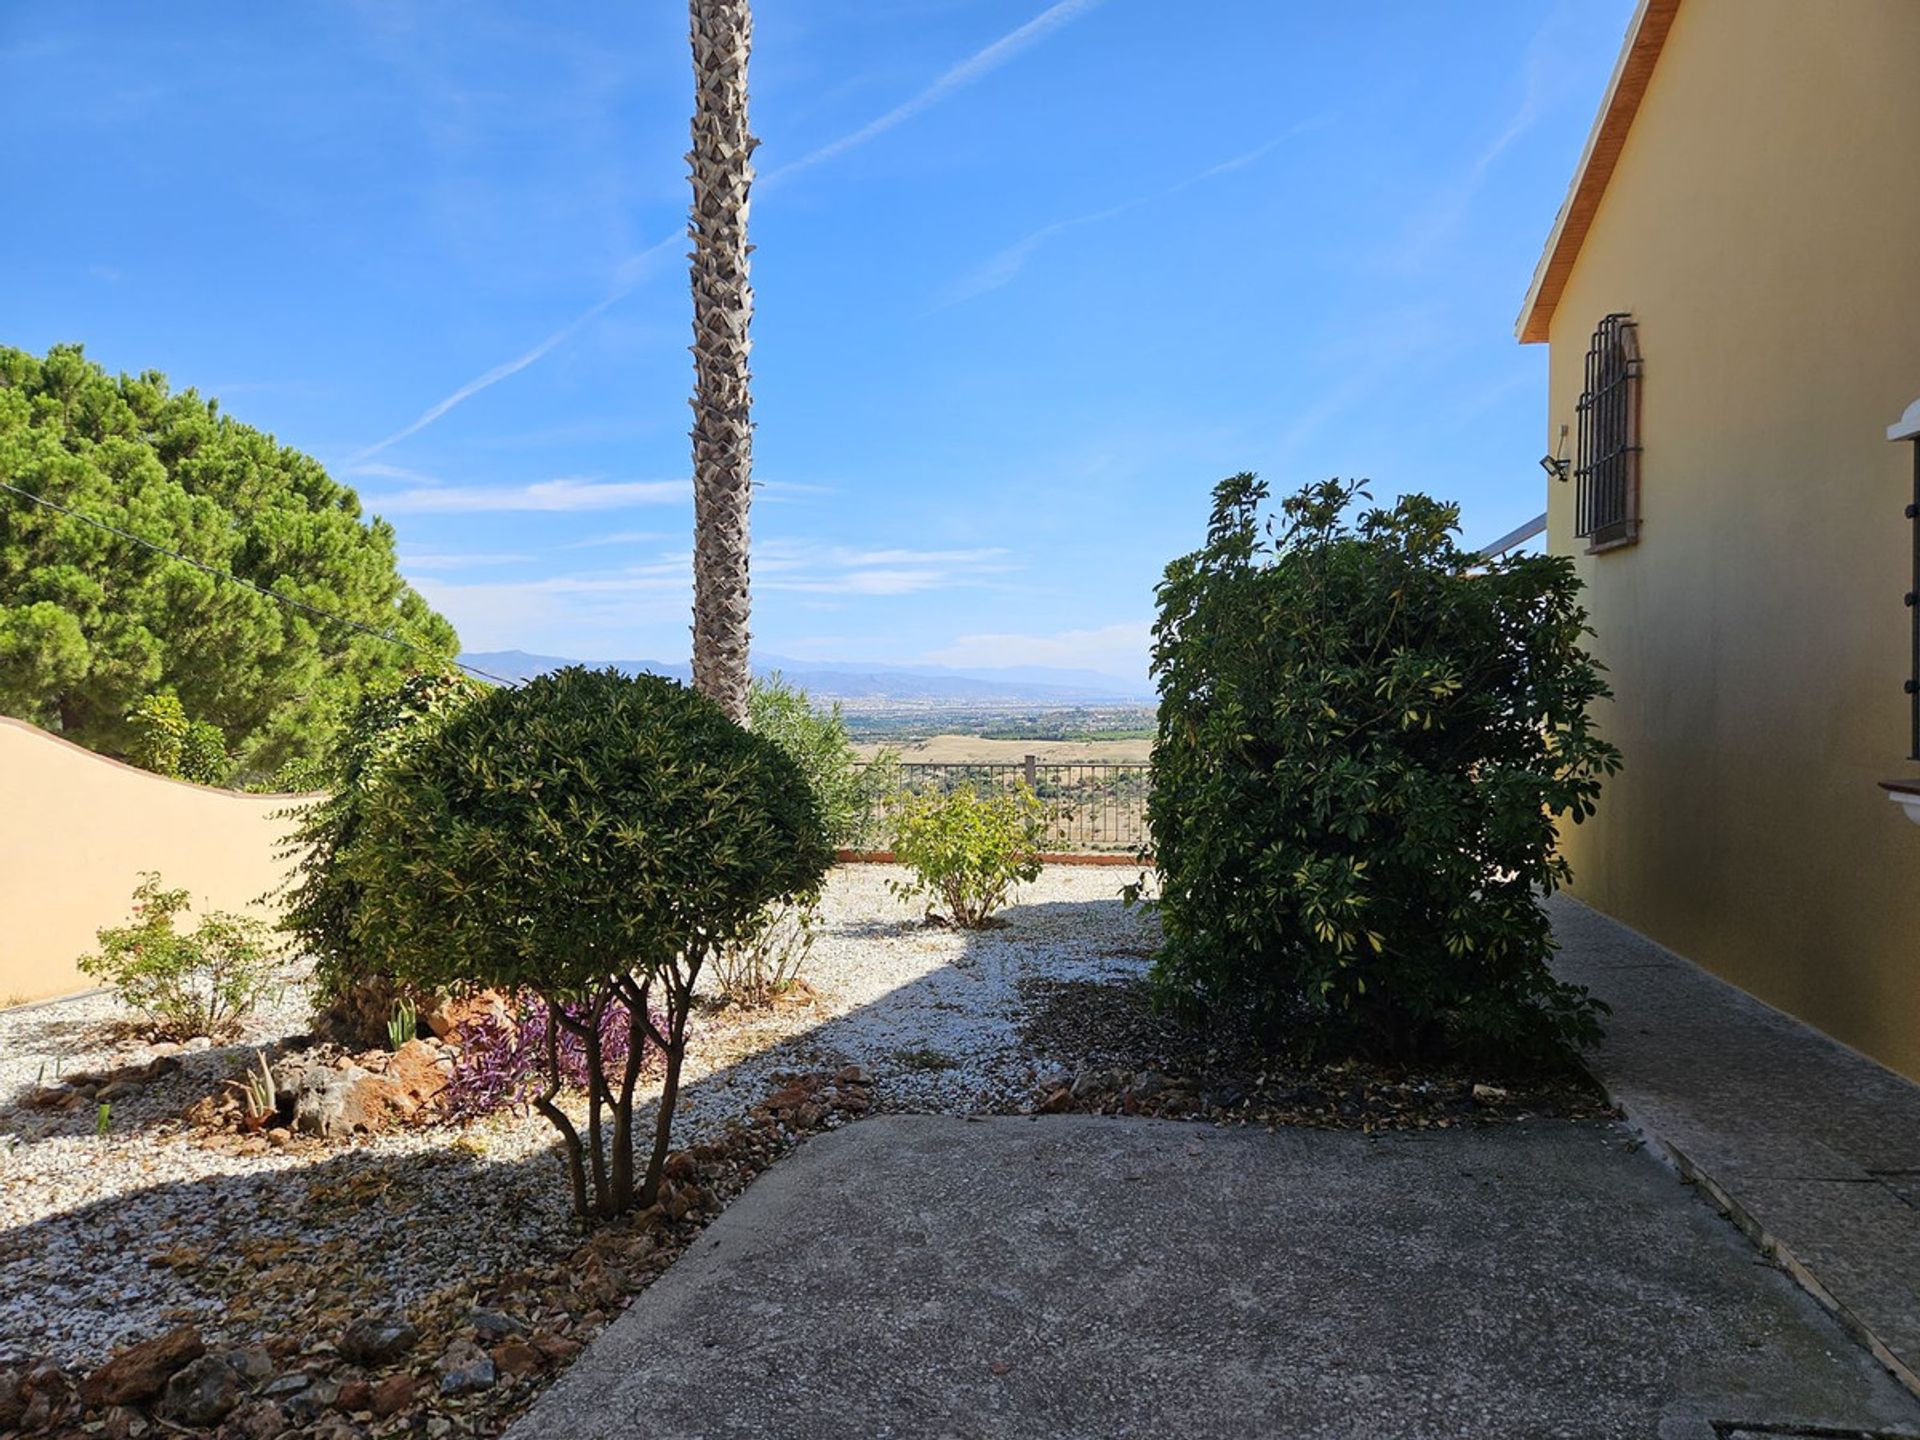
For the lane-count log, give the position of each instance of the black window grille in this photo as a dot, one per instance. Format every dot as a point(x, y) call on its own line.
point(1607, 468)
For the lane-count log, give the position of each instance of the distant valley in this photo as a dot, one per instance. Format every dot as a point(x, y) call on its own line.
point(862, 686)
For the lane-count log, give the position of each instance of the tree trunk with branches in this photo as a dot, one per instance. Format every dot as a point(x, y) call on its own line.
point(721, 171)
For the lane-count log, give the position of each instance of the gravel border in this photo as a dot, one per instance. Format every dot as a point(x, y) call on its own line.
point(105, 1240)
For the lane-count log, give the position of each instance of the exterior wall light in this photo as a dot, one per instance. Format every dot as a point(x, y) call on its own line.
point(1558, 466)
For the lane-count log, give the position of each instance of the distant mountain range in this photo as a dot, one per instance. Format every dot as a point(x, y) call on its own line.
point(869, 683)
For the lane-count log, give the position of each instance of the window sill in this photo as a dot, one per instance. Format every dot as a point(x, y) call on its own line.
point(1617, 542)
point(1905, 794)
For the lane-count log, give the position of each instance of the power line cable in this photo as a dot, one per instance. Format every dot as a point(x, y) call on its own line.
point(273, 595)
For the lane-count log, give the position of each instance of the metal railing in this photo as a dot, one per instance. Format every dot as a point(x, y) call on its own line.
point(1092, 806)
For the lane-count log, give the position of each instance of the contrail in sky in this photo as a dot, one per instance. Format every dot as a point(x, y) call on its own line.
point(975, 67)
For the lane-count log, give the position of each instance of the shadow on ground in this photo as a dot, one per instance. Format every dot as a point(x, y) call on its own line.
point(1067, 1276)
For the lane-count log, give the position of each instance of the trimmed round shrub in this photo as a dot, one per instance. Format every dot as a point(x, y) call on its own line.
point(591, 838)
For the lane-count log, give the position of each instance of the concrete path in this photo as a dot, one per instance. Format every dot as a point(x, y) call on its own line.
point(1811, 1147)
point(1077, 1276)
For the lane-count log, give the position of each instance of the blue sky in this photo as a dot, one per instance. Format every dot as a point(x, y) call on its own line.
point(1030, 280)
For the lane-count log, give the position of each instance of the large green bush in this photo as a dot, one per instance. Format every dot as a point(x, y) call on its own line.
point(1366, 739)
point(352, 996)
point(90, 621)
point(849, 794)
point(592, 838)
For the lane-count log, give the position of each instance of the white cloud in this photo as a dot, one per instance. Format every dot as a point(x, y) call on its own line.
point(1120, 649)
point(565, 495)
point(809, 568)
point(618, 537)
point(452, 561)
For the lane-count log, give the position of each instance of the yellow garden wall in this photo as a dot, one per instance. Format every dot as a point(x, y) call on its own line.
point(1763, 229)
point(77, 828)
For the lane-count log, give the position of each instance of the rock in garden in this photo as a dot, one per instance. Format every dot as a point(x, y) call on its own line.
point(515, 1357)
point(355, 1396)
point(262, 1420)
point(393, 1394)
point(202, 1393)
point(420, 1072)
point(1148, 1083)
point(251, 1363)
point(332, 1103)
point(141, 1371)
point(448, 1017)
point(465, 1368)
point(13, 1401)
point(493, 1324)
point(313, 1402)
point(376, 1339)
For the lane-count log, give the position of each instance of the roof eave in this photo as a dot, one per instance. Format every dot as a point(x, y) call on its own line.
point(1646, 34)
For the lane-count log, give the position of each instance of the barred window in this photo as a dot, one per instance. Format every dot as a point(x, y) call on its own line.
point(1607, 471)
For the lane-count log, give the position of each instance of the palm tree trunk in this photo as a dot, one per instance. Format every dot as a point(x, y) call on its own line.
point(721, 164)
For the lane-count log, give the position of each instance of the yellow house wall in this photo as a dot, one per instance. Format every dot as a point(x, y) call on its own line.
point(1763, 228)
point(76, 829)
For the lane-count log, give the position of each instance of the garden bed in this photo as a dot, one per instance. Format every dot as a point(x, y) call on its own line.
point(266, 1253)
point(110, 1238)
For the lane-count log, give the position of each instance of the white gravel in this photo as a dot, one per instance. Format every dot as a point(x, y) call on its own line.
point(105, 1240)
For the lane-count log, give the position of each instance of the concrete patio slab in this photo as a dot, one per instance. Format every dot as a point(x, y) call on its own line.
point(1079, 1276)
point(1811, 1147)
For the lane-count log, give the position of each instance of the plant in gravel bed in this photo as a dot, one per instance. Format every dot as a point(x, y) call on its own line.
point(202, 983)
point(404, 1023)
point(763, 964)
point(1366, 737)
point(503, 1060)
point(592, 838)
point(353, 1000)
point(848, 792)
point(966, 850)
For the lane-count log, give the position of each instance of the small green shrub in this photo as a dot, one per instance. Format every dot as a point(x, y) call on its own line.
point(1366, 737)
point(259, 1095)
point(762, 964)
point(203, 754)
point(166, 742)
point(159, 728)
point(848, 793)
point(403, 1024)
point(203, 983)
point(966, 850)
point(592, 838)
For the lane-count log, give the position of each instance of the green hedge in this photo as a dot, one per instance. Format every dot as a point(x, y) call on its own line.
point(1366, 740)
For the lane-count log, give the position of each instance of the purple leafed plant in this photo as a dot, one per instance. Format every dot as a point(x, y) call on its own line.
point(503, 1058)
